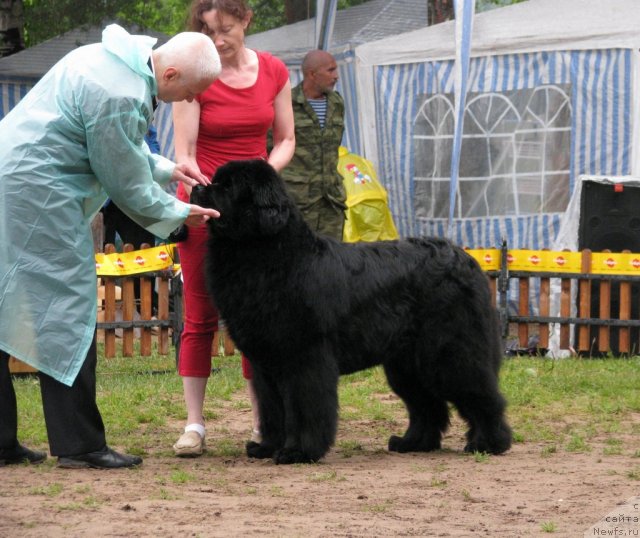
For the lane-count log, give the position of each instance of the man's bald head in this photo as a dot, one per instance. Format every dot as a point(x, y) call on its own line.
point(320, 73)
point(185, 66)
point(315, 59)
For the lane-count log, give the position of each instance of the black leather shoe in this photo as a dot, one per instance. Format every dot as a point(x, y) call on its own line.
point(101, 459)
point(20, 454)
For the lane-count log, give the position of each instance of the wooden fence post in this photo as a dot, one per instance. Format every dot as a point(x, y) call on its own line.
point(565, 311)
point(604, 331)
point(545, 309)
point(523, 310)
point(584, 291)
point(146, 310)
point(163, 314)
point(128, 308)
point(109, 310)
point(624, 334)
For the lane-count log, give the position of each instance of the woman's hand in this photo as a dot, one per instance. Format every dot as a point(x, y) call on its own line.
point(190, 175)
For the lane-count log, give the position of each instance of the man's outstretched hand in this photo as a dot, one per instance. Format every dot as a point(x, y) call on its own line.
point(199, 215)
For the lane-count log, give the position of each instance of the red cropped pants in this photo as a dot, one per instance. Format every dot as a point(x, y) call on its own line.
point(200, 314)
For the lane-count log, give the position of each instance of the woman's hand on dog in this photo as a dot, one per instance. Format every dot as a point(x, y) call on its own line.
point(190, 175)
point(199, 215)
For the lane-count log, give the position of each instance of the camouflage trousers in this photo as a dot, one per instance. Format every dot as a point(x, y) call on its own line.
point(325, 218)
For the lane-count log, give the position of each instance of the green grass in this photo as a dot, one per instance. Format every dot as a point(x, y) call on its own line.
point(568, 404)
point(136, 396)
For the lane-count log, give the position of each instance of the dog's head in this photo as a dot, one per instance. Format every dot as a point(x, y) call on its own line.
point(251, 198)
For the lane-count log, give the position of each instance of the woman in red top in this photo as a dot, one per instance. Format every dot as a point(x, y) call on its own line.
point(228, 121)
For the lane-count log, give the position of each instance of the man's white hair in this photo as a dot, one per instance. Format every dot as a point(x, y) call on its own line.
point(193, 53)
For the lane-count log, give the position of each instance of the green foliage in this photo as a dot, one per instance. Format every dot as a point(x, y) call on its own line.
point(45, 19)
point(484, 5)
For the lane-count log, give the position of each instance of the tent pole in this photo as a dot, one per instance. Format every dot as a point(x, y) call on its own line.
point(325, 17)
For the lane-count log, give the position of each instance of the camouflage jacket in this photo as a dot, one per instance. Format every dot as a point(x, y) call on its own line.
point(312, 173)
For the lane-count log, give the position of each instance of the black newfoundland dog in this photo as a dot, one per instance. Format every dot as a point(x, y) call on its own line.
point(305, 309)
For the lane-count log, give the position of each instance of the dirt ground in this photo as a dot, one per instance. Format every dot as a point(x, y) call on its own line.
point(358, 490)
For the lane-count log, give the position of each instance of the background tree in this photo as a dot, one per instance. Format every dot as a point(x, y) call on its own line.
point(442, 10)
point(44, 19)
point(11, 26)
point(439, 11)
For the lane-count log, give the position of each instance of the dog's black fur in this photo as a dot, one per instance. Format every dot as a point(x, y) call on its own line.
point(305, 309)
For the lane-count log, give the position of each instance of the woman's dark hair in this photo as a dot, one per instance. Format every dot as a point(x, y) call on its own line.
point(236, 8)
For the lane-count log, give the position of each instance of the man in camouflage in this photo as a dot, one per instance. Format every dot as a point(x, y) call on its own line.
point(312, 176)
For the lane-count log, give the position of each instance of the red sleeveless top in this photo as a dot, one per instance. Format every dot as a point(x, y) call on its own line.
point(234, 122)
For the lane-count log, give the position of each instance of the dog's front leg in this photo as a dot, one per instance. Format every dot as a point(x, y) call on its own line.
point(310, 400)
point(271, 412)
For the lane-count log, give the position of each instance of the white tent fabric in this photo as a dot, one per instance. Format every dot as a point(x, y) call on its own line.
point(552, 95)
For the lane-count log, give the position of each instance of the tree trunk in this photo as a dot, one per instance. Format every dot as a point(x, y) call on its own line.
point(299, 10)
point(439, 11)
point(11, 27)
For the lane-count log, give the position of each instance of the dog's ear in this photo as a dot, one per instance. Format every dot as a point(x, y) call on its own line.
point(272, 219)
point(271, 200)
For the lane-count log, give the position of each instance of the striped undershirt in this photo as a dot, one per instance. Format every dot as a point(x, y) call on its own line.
point(320, 108)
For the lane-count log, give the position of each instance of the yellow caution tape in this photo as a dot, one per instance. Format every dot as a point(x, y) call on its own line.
point(602, 263)
point(488, 258)
point(136, 261)
point(544, 260)
point(615, 264)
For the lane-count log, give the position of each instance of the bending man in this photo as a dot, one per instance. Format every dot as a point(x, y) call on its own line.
point(75, 139)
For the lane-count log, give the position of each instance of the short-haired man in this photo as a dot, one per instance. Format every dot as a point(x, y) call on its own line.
point(75, 139)
point(312, 176)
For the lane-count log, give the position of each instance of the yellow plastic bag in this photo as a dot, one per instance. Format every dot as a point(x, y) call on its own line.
point(368, 215)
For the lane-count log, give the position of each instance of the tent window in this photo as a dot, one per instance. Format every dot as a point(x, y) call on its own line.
point(514, 159)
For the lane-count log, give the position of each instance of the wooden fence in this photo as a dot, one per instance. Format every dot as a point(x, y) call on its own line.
point(589, 312)
point(123, 318)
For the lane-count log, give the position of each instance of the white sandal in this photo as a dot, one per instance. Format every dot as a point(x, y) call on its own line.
point(191, 443)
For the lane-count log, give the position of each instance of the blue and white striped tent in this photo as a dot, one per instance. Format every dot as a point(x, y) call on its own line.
point(551, 95)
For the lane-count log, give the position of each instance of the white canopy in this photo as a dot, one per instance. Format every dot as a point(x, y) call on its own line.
point(534, 25)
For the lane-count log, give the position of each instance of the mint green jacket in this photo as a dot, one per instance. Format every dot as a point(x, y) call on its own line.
point(75, 138)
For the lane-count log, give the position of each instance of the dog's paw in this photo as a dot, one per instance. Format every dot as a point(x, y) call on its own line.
point(495, 441)
point(396, 444)
point(402, 444)
point(287, 456)
point(496, 447)
point(258, 451)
